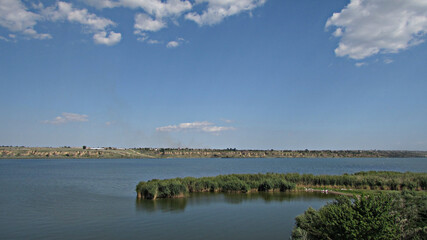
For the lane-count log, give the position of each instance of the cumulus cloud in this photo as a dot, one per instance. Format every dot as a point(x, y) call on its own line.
point(194, 126)
point(68, 117)
point(154, 15)
point(144, 22)
point(172, 44)
point(16, 17)
point(369, 27)
point(217, 10)
point(63, 11)
point(360, 64)
point(158, 12)
point(110, 39)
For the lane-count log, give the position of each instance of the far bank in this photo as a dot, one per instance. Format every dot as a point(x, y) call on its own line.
point(7, 152)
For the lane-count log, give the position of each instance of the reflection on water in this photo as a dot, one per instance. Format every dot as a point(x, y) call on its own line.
point(201, 199)
point(163, 205)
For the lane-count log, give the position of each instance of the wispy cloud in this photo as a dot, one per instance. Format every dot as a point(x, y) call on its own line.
point(68, 117)
point(4, 39)
point(388, 61)
point(227, 120)
point(360, 64)
point(153, 41)
point(370, 27)
point(195, 126)
point(109, 123)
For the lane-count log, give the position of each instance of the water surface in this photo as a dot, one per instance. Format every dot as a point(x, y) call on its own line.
point(95, 198)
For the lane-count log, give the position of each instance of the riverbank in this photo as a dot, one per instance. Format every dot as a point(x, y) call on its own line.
point(246, 183)
point(7, 152)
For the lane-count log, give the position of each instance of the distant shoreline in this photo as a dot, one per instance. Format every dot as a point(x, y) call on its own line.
point(160, 153)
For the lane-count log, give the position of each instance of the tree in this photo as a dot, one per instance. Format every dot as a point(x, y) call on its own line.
point(84, 147)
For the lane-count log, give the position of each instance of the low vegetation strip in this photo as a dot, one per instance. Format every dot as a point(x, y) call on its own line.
point(178, 187)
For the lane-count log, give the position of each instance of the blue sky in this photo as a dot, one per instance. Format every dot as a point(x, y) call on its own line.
point(252, 74)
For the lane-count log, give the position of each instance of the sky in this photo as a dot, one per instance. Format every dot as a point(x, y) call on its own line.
point(246, 74)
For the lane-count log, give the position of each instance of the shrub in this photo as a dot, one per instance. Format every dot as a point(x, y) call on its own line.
point(367, 217)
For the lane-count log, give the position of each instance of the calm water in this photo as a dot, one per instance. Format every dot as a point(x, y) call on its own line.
point(95, 199)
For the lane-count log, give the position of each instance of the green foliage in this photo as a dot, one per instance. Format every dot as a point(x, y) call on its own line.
point(243, 183)
point(373, 180)
point(381, 216)
point(413, 215)
point(280, 182)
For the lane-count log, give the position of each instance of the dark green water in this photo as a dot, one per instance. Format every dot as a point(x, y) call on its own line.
point(95, 199)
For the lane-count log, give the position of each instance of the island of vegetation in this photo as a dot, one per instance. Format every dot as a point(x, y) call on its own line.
point(12, 152)
point(244, 183)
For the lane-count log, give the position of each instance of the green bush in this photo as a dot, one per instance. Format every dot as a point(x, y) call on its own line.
point(391, 216)
point(367, 217)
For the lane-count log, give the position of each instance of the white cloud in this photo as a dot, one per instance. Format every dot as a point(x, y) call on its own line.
point(4, 39)
point(157, 8)
point(369, 27)
point(159, 12)
point(217, 10)
point(32, 33)
point(226, 120)
point(215, 129)
point(111, 39)
point(16, 17)
point(155, 15)
point(68, 117)
point(194, 126)
point(359, 64)
point(144, 22)
point(388, 61)
point(63, 11)
point(172, 44)
point(153, 41)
